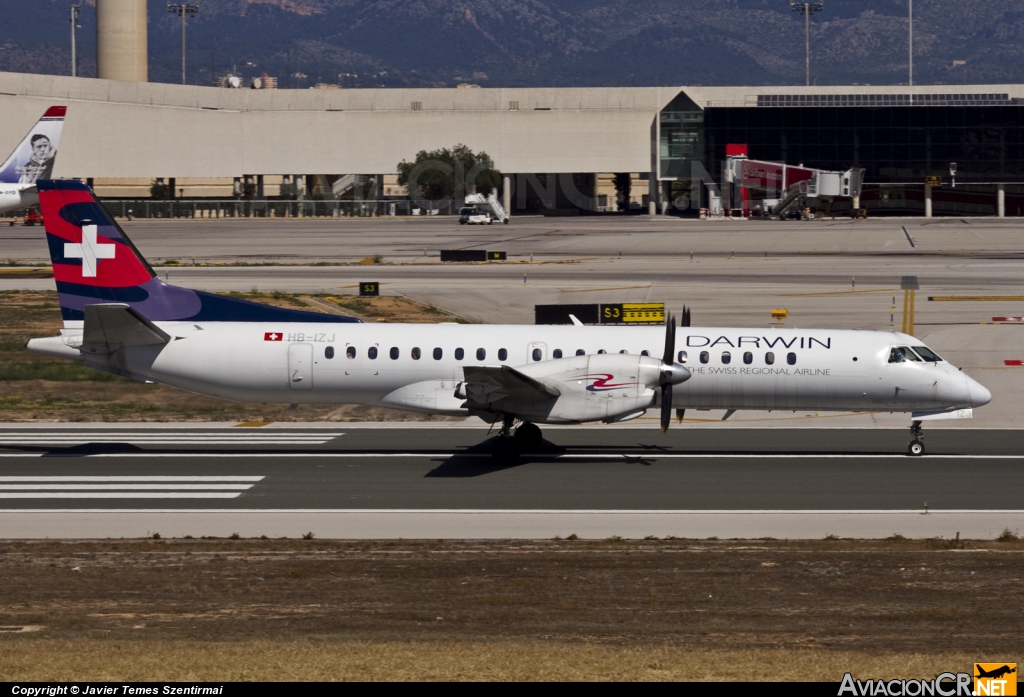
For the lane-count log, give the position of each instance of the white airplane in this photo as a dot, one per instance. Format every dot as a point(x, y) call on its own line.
point(31, 160)
point(121, 318)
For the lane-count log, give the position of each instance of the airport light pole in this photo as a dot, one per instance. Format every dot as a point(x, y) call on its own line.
point(807, 8)
point(74, 49)
point(910, 22)
point(183, 10)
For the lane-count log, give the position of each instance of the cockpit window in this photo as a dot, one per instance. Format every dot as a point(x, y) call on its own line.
point(902, 354)
point(927, 354)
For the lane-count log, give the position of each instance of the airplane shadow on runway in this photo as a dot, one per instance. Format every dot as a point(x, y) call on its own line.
point(476, 460)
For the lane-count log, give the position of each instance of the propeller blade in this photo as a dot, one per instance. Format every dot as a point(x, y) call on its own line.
point(666, 406)
point(680, 413)
point(670, 340)
point(686, 317)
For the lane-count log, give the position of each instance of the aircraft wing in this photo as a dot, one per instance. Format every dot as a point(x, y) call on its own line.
point(487, 384)
point(112, 326)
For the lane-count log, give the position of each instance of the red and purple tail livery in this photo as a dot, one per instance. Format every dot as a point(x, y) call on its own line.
point(95, 262)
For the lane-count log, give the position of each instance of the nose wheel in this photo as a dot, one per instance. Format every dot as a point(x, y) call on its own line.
point(916, 446)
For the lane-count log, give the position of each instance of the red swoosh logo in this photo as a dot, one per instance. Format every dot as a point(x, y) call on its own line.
point(601, 384)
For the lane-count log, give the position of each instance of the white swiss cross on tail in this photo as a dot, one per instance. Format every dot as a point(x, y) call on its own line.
point(273, 336)
point(89, 251)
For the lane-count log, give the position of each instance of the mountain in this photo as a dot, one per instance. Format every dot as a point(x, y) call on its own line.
point(547, 43)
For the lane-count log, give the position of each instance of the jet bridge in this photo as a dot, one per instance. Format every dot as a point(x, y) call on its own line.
point(489, 204)
point(784, 189)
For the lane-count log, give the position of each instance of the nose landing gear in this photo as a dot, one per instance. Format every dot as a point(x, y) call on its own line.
point(916, 447)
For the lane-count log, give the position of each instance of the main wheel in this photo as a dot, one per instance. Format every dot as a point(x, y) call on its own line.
point(916, 448)
point(528, 438)
point(505, 451)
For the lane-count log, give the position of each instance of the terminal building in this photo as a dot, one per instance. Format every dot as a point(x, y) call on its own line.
point(559, 149)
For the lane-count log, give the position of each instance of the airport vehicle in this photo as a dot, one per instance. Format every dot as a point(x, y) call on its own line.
point(489, 205)
point(120, 317)
point(32, 160)
point(472, 216)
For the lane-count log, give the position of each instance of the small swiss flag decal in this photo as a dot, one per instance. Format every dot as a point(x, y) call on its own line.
point(273, 336)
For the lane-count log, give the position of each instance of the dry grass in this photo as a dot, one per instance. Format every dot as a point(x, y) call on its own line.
point(80, 660)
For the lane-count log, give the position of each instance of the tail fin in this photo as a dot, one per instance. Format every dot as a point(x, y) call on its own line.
point(94, 262)
point(33, 158)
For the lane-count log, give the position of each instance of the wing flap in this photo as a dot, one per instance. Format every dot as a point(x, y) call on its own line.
point(487, 384)
point(111, 326)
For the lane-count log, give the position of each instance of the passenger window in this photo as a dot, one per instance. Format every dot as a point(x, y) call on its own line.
point(623, 351)
point(748, 357)
point(927, 354)
point(394, 353)
point(681, 357)
point(791, 358)
point(645, 352)
point(459, 354)
point(438, 354)
point(416, 353)
point(726, 358)
point(371, 353)
point(769, 358)
point(705, 356)
point(581, 352)
point(601, 351)
point(557, 353)
point(329, 352)
point(350, 352)
point(481, 354)
point(503, 355)
point(538, 354)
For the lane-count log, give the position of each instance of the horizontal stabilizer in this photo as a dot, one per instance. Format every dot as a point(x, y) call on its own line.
point(486, 384)
point(117, 325)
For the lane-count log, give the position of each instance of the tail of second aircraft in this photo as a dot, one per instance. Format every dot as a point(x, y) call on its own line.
point(94, 262)
point(33, 158)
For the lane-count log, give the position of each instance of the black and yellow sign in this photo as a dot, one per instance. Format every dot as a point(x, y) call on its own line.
point(497, 256)
point(933, 181)
point(995, 679)
point(632, 313)
point(369, 289)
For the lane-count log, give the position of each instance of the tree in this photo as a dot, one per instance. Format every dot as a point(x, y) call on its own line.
point(159, 190)
point(450, 174)
point(623, 182)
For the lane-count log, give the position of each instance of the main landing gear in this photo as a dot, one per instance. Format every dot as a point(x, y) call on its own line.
point(508, 447)
point(917, 443)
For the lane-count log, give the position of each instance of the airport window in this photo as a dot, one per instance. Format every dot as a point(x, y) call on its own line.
point(791, 358)
point(394, 353)
point(580, 352)
point(557, 353)
point(371, 352)
point(681, 357)
point(416, 353)
point(748, 357)
point(705, 356)
point(459, 354)
point(927, 354)
point(350, 352)
point(769, 358)
point(538, 354)
point(438, 354)
point(329, 352)
point(726, 358)
point(503, 355)
point(481, 354)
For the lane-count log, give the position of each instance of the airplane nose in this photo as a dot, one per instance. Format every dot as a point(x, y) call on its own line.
point(980, 396)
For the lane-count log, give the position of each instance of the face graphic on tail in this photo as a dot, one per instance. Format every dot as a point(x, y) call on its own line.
point(34, 156)
point(95, 262)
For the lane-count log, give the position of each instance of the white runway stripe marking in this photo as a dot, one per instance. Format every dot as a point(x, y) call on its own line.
point(123, 487)
point(120, 495)
point(144, 478)
point(533, 458)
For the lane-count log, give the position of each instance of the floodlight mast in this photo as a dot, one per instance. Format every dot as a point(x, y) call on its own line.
point(183, 10)
point(807, 8)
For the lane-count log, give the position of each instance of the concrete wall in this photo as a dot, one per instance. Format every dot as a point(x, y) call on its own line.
point(127, 130)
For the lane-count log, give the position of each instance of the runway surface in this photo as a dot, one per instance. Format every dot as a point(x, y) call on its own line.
point(381, 482)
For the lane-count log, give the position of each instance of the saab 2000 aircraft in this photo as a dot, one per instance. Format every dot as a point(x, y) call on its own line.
point(31, 160)
point(121, 318)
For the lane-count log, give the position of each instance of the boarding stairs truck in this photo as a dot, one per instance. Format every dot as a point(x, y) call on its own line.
point(489, 204)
